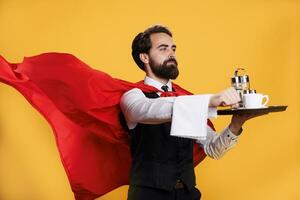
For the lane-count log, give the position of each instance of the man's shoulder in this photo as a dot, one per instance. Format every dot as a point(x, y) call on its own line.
point(137, 90)
point(133, 90)
point(132, 94)
point(137, 93)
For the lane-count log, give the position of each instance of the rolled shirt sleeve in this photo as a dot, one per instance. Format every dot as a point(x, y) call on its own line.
point(216, 145)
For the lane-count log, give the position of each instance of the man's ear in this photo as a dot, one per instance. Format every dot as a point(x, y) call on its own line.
point(144, 58)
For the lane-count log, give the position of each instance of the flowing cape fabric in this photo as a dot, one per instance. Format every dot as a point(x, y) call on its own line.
point(82, 106)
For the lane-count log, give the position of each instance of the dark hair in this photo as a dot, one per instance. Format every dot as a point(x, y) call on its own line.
point(142, 42)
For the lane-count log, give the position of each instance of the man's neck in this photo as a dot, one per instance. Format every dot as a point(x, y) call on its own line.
point(161, 80)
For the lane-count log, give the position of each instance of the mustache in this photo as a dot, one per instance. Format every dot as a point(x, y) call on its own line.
point(171, 59)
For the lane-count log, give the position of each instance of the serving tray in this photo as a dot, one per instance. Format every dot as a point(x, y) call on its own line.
point(268, 109)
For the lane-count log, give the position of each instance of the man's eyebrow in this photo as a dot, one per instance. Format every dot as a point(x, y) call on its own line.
point(162, 45)
point(165, 45)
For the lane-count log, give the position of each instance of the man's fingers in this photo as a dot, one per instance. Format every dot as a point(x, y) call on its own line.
point(225, 101)
point(229, 97)
point(235, 105)
point(235, 95)
point(258, 114)
point(245, 117)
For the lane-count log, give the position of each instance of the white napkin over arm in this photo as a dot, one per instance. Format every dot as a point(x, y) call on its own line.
point(190, 114)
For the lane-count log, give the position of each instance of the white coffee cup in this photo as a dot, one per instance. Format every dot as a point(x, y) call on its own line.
point(255, 100)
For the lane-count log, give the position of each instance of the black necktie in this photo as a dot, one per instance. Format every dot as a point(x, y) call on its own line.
point(164, 88)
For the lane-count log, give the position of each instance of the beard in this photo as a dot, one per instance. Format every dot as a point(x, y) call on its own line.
point(167, 70)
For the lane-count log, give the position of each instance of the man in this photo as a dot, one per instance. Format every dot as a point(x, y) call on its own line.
point(84, 110)
point(162, 164)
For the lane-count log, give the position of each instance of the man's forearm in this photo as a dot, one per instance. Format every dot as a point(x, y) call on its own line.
point(235, 127)
point(136, 107)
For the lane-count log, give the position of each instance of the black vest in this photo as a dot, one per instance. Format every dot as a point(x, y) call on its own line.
point(158, 159)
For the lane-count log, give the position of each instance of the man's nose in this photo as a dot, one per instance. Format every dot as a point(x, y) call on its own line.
point(172, 54)
point(172, 57)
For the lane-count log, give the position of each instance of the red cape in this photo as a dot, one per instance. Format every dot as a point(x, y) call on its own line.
point(82, 106)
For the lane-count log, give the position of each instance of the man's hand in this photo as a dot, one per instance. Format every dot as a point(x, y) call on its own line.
point(237, 121)
point(228, 97)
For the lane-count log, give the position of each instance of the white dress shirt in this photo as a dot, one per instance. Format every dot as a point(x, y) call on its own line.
point(184, 112)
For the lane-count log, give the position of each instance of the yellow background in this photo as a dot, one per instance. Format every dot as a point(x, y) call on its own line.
point(213, 37)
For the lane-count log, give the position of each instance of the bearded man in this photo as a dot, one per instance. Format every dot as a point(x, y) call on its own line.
point(162, 154)
point(168, 128)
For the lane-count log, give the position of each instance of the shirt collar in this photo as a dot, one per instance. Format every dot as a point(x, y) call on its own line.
point(157, 84)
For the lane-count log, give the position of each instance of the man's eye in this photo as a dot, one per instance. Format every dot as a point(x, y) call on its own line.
point(163, 49)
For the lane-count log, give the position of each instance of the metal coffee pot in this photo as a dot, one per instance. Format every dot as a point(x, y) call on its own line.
point(240, 81)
